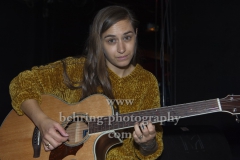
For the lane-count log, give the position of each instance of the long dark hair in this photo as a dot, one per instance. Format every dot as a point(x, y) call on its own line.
point(95, 70)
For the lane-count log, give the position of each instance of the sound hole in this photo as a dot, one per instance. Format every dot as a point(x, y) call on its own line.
point(77, 128)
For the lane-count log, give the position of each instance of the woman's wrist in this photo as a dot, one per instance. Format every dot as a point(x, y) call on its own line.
point(148, 147)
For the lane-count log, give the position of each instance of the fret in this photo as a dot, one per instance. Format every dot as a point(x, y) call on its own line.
point(110, 127)
point(120, 124)
point(91, 127)
point(115, 125)
point(104, 125)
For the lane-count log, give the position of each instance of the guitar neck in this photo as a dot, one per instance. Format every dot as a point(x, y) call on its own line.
point(167, 113)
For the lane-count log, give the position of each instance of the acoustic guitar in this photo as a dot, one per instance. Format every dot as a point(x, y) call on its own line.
point(91, 125)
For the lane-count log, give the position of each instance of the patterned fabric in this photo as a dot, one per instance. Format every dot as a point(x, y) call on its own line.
point(140, 86)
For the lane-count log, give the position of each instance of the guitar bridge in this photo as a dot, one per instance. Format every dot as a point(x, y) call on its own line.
point(36, 143)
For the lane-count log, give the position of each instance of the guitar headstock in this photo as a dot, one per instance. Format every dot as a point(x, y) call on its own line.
point(231, 103)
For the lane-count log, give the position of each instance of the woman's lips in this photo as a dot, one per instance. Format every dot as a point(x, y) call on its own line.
point(122, 57)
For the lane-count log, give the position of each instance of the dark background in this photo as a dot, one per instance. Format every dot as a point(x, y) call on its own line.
point(200, 39)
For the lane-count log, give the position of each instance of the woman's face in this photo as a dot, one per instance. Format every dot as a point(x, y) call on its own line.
point(119, 45)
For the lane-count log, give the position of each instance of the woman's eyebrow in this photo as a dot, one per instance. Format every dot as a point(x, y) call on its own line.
point(111, 35)
point(128, 32)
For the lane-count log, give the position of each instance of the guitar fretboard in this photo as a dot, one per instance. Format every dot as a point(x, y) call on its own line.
point(167, 113)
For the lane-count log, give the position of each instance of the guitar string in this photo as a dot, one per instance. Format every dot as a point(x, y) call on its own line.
point(183, 108)
point(197, 106)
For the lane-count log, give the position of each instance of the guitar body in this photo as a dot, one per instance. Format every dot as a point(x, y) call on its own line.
point(89, 139)
point(16, 131)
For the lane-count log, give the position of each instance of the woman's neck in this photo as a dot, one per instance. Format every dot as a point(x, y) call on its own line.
point(123, 72)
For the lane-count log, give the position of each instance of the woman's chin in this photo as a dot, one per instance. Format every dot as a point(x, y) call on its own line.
point(123, 65)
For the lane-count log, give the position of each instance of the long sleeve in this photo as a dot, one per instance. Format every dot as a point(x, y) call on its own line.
point(47, 79)
point(142, 89)
point(153, 101)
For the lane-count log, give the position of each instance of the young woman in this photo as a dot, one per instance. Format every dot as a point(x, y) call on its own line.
point(110, 68)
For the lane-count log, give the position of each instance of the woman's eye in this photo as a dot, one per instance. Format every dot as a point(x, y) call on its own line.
point(127, 38)
point(111, 41)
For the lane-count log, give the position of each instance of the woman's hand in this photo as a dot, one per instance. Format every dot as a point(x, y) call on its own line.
point(52, 134)
point(144, 135)
point(144, 132)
